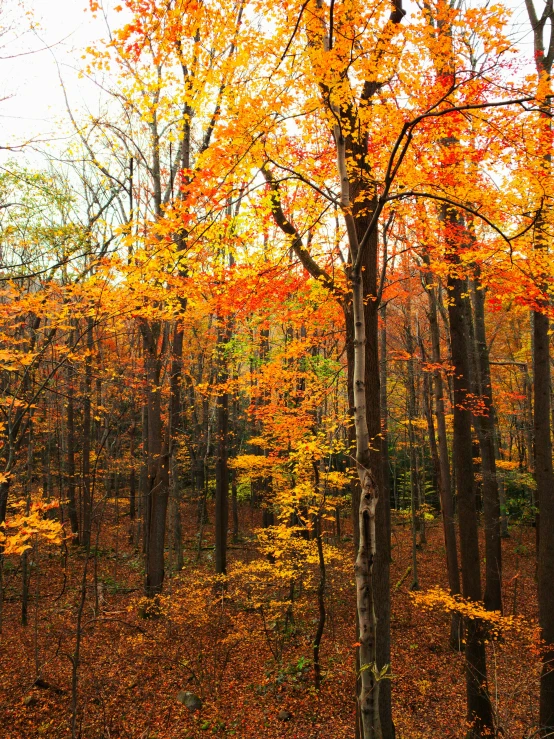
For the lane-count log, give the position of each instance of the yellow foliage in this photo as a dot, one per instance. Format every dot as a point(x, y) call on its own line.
point(496, 623)
point(17, 533)
point(506, 464)
point(252, 466)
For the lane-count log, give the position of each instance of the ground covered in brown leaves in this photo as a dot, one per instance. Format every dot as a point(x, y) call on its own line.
point(253, 674)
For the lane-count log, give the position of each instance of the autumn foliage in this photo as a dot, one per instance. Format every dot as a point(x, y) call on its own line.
point(275, 432)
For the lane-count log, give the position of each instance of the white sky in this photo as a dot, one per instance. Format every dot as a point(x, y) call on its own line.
point(34, 106)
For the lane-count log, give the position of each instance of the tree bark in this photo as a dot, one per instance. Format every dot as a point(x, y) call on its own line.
point(86, 501)
point(479, 711)
point(411, 412)
point(383, 365)
point(365, 593)
point(175, 419)
point(486, 429)
point(544, 474)
point(132, 478)
point(447, 503)
point(70, 422)
point(158, 454)
point(221, 465)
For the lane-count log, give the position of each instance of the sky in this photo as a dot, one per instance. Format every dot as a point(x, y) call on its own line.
point(33, 106)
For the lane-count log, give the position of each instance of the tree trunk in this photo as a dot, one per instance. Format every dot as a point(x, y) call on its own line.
point(158, 454)
point(175, 419)
point(411, 413)
point(144, 508)
point(383, 365)
point(365, 593)
point(428, 412)
point(86, 502)
point(235, 509)
point(175, 525)
point(320, 601)
point(486, 430)
point(70, 420)
point(132, 478)
point(221, 465)
point(544, 474)
point(447, 503)
point(382, 558)
point(479, 711)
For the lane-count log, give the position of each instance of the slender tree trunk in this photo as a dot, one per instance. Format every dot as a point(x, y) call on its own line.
point(447, 503)
point(411, 413)
point(382, 558)
point(365, 593)
point(479, 711)
point(221, 467)
point(144, 508)
point(486, 429)
point(528, 392)
point(544, 476)
point(175, 419)
point(132, 478)
point(158, 454)
point(86, 522)
point(4, 493)
point(175, 525)
point(320, 601)
point(383, 364)
point(428, 412)
point(70, 422)
point(235, 509)
point(25, 565)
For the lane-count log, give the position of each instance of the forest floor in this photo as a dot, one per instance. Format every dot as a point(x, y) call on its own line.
point(254, 676)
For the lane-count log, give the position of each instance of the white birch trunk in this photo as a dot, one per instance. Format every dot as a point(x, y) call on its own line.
point(369, 676)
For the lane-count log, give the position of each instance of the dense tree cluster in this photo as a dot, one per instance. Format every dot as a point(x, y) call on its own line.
point(286, 298)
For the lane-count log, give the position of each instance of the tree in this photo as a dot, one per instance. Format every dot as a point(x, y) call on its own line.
point(544, 474)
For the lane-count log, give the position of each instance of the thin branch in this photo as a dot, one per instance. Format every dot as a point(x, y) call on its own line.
point(293, 34)
point(467, 209)
point(296, 239)
point(393, 166)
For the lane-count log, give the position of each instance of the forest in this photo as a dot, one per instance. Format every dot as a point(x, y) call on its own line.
point(276, 397)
